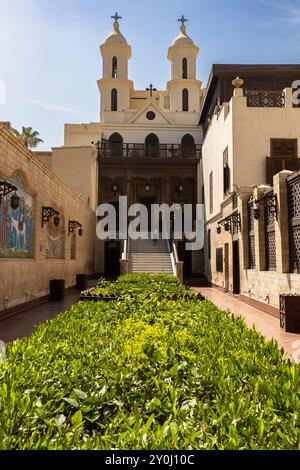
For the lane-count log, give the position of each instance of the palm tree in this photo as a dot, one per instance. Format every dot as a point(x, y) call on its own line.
point(30, 137)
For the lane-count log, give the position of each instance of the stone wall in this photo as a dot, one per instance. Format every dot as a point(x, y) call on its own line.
point(258, 283)
point(24, 280)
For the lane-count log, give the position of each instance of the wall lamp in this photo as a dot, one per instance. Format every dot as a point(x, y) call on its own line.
point(179, 189)
point(73, 225)
point(5, 189)
point(115, 189)
point(219, 229)
point(47, 213)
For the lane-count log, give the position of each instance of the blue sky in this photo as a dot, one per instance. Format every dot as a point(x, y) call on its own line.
point(50, 61)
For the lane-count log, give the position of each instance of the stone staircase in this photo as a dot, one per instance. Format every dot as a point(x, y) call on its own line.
point(147, 256)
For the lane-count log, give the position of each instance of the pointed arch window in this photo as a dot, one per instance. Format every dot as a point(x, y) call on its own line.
point(114, 99)
point(114, 67)
point(185, 99)
point(184, 68)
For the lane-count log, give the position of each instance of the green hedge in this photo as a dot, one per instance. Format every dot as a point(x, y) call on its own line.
point(133, 284)
point(148, 374)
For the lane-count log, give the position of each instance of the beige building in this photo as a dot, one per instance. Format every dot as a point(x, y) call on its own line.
point(234, 146)
point(248, 140)
point(148, 141)
point(46, 231)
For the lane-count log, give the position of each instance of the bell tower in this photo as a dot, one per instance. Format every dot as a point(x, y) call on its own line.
point(115, 87)
point(184, 88)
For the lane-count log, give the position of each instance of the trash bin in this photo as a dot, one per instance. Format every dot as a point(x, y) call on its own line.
point(290, 312)
point(57, 289)
point(81, 282)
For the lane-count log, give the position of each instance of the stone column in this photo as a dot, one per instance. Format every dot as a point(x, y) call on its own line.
point(243, 197)
point(282, 222)
point(259, 229)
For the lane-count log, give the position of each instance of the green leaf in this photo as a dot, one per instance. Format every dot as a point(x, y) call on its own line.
point(82, 395)
point(60, 420)
point(72, 402)
point(76, 419)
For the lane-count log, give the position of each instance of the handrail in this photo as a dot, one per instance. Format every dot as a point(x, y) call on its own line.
point(125, 250)
point(173, 262)
point(175, 252)
point(136, 150)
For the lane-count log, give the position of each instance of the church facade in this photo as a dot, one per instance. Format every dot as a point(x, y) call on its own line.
point(233, 147)
point(147, 145)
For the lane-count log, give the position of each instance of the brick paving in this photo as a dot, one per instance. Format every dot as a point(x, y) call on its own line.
point(22, 325)
point(269, 326)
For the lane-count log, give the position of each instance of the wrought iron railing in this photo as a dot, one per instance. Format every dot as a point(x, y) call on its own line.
point(162, 151)
point(265, 99)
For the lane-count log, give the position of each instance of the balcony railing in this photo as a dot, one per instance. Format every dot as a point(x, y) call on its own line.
point(161, 151)
point(265, 99)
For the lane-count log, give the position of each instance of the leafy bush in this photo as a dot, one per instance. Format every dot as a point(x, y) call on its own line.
point(148, 374)
point(143, 283)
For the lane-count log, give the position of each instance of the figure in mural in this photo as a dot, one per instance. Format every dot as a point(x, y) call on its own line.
point(55, 241)
point(16, 224)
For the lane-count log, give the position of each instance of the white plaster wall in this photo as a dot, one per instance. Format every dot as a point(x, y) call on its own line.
point(218, 137)
point(253, 128)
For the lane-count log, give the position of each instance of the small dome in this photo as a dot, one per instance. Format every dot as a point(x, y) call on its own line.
point(115, 37)
point(183, 40)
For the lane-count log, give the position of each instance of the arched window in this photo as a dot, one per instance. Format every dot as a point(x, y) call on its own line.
point(114, 99)
point(185, 99)
point(114, 67)
point(188, 146)
point(152, 145)
point(116, 145)
point(184, 68)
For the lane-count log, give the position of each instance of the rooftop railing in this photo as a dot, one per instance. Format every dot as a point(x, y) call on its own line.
point(265, 99)
point(161, 151)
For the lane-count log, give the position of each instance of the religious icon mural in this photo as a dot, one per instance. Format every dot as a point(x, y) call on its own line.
point(55, 241)
point(16, 222)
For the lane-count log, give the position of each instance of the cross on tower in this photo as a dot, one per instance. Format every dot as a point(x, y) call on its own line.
point(116, 17)
point(151, 89)
point(183, 20)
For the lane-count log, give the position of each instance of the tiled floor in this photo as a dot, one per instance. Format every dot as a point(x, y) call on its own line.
point(269, 326)
point(23, 324)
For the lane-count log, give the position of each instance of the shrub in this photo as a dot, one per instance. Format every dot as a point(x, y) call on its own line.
point(148, 374)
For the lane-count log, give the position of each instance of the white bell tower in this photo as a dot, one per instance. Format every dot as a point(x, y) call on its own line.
point(184, 88)
point(115, 88)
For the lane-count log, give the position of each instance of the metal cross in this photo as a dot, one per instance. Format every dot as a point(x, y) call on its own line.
point(151, 89)
point(183, 20)
point(116, 17)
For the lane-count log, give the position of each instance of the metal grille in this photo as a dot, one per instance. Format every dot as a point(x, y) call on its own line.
point(294, 222)
point(265, 99)
point(164, 151)
point(251, 234)
point(270, 239)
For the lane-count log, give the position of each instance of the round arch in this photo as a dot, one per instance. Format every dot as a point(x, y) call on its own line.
point(152, 145)
point(116, 144)
point(187, 145)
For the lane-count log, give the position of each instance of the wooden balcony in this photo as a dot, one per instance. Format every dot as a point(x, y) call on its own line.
point(110, 150)
point(265, 99)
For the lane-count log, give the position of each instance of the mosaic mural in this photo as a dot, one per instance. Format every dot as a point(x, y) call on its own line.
point(16, 224)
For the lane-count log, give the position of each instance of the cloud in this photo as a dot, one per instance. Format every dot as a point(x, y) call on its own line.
point(54, 107)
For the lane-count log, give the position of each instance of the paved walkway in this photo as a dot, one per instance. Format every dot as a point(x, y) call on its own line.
point(23, 324)
point(269, 326)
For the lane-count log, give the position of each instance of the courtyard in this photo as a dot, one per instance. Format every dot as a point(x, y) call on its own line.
point(150, 366)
